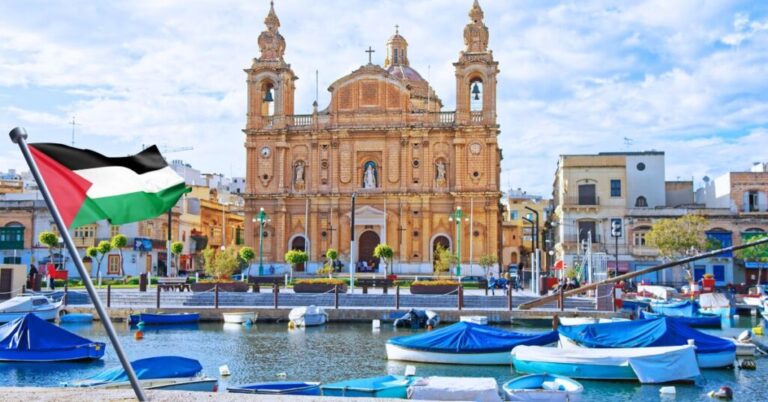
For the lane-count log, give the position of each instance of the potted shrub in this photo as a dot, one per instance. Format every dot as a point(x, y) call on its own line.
point(294, 258)
point(220, 266)
point(385, 253)
point(319, 285)
point(436, 287)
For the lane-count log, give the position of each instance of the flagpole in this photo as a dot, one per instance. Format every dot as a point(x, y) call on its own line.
point(19, 135)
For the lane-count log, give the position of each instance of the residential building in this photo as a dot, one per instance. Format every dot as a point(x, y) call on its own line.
point(518, 231)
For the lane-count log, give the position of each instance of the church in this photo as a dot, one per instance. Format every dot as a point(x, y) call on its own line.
point(383, 145)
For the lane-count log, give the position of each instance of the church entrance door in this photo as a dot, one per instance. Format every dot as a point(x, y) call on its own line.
point(439, 241)
point(298, 243)
point(368, 242)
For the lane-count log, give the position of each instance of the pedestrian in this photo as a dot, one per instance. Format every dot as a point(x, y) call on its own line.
point(520, 276)
point(492, 284)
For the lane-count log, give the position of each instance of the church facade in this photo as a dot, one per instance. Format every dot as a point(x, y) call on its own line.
point(383, 140)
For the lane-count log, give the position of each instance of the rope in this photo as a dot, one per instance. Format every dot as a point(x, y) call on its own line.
point(17, 290)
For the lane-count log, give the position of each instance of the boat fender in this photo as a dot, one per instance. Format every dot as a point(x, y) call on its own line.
point(757, 330)
point(248, 322)
point(722, 393)
point(138, 335)
point(668, 391)
point(748, 364)
point(282, 375)
point(140, 325)
point(291, 325)
point(224, 371)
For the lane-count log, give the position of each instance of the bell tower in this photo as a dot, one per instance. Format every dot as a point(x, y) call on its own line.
point(476, 73)
point(397, 50)
point(271, 82)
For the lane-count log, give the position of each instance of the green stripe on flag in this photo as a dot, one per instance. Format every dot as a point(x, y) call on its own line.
point(130, 207)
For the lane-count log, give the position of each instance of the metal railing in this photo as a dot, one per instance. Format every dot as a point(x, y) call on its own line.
point(351, 119)
point(575, 200)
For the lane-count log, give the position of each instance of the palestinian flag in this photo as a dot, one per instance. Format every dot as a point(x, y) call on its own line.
point(88, 187)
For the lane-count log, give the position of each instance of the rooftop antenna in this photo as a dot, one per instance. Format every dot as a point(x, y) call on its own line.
point(628, 142)
point(317, 85)
point(73, 130)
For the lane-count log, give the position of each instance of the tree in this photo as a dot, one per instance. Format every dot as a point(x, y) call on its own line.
point(50, 240)
point(444, 259)
point(757, 254)
point(119, 241)
point(295, 257)
point(177, 248)
point(384, 252)
point(102, 249)
point(487, 261)
point(221, 264)
point(247, 255)
point(331, 254)
point(679, 237)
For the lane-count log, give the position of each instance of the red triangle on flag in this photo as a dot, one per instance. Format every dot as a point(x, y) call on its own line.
point(67, 188)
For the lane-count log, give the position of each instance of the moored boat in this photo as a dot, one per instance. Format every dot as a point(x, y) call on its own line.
point(164, 319)
point(464, 343)
point(418, 319)
point(278, 388)
point(389, 386)
point(171, 373)
point(20, 306)
point(697, 321)
point(568, 321)
point(543, 387)
point(647, 365)
point(79, 318)
point(716, 303)
point(240, 317)
point(475, 319)
point(479, 389)
point(32, 339)
point(711, 351)
point(309, 316)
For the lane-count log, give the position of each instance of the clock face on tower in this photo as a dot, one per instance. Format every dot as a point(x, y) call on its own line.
point(265, 152)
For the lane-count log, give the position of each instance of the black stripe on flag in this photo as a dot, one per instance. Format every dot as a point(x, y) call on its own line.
point(145, 161)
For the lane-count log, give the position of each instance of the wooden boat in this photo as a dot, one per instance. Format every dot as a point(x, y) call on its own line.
point(647, 365)
point(388, 386)
point(463, 343)
point(164, 319)
point(20, 306)
point(309, 316)
point(479, 389)
point(543, 387)
point(696, 321)
point(170, 373)
point(76, 318)
point(32, 339)
point(240, 318)
point(278, 388)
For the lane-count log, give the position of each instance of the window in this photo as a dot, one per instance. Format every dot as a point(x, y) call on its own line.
point(638, 238)
point(476, 95)
point(641, 202)
point(587, 194)
point(11, 238)
point(396, 58)
point(615, 188)
point(719, 273)
point(755, 201)
point(113, 264)
point(85, 232)
point(149, 227)
point(587, 229)
point(114, 230)
point(514, 215)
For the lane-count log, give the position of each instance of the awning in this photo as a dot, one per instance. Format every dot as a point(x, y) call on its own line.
point(756, 265)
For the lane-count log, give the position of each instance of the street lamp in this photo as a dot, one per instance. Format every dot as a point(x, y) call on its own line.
point(262, 219)
point(534, 279)
point(456, 216)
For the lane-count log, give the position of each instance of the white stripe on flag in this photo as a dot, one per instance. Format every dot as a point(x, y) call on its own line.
point(117, 180)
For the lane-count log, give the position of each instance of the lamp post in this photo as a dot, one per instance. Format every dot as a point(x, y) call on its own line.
point(537, 250)
point(534, 279)
point(456, 216)
point(262, 219)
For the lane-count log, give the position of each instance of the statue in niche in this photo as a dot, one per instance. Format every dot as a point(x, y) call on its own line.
point(298, 178)
point(440, 175)
point(369, 178)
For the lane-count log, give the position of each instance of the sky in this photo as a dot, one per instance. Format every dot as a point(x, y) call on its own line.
point(687, 77)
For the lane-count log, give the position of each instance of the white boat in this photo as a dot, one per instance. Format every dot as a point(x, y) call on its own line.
point(474, 319)
point(543, 387)
point(587, 320)
point(199, 384)
point(240, 318)
point(455, 389)
point(20, 306)
point(658, 292)
point(647, 365)
point(309, 316)
point(716, 303)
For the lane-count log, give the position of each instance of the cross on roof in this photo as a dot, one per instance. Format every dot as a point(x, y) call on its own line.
point(369, 51)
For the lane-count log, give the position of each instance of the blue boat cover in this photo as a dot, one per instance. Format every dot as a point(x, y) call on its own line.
point(662, 331)
point(466, 337)
point(685, 308)
point(710, 321)
point(153, 367)
point(31, 333)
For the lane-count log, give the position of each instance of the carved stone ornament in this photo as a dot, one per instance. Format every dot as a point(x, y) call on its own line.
point(476, 33)
point(271, 43)
point(475, 148)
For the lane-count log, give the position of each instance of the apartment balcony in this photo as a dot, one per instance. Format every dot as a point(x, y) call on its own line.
point(84, 242)
point(576, 202)
point(574, 238)
point(644, 251)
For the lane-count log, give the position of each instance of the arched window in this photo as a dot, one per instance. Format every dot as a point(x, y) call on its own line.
point(476, 95)
point(641, 202)
point(268, 100)
point(395, 61)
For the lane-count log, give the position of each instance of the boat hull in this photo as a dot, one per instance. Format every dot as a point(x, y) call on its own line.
point(716, 360)
point(197, 384)
point(48, 314)
point(278, 388)
point(92, 351)
point(582, 371)
point(310, 320)
point(165, 319)
point(76, 318)
point(531, 388)
point(240, 318)
point(377, 387)
point(395, 352)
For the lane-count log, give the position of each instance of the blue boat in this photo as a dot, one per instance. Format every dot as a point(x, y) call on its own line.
point(278, 388)
point(80, 318)
point(685, 308)
point(388, 386)
point(32, 339)
point(464, 343)
point(162, 372)
point(543, 387)
point(698, 321)
point(164, 319)
point(711, 351)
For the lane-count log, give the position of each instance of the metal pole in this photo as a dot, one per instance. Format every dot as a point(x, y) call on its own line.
point(352, 248)
point(471, 234)
point(262, 219)
point(616, 268)
point(19, 135)
point(458, 240)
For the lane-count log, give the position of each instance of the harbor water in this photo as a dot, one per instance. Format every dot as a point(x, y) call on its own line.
point(272, 352)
